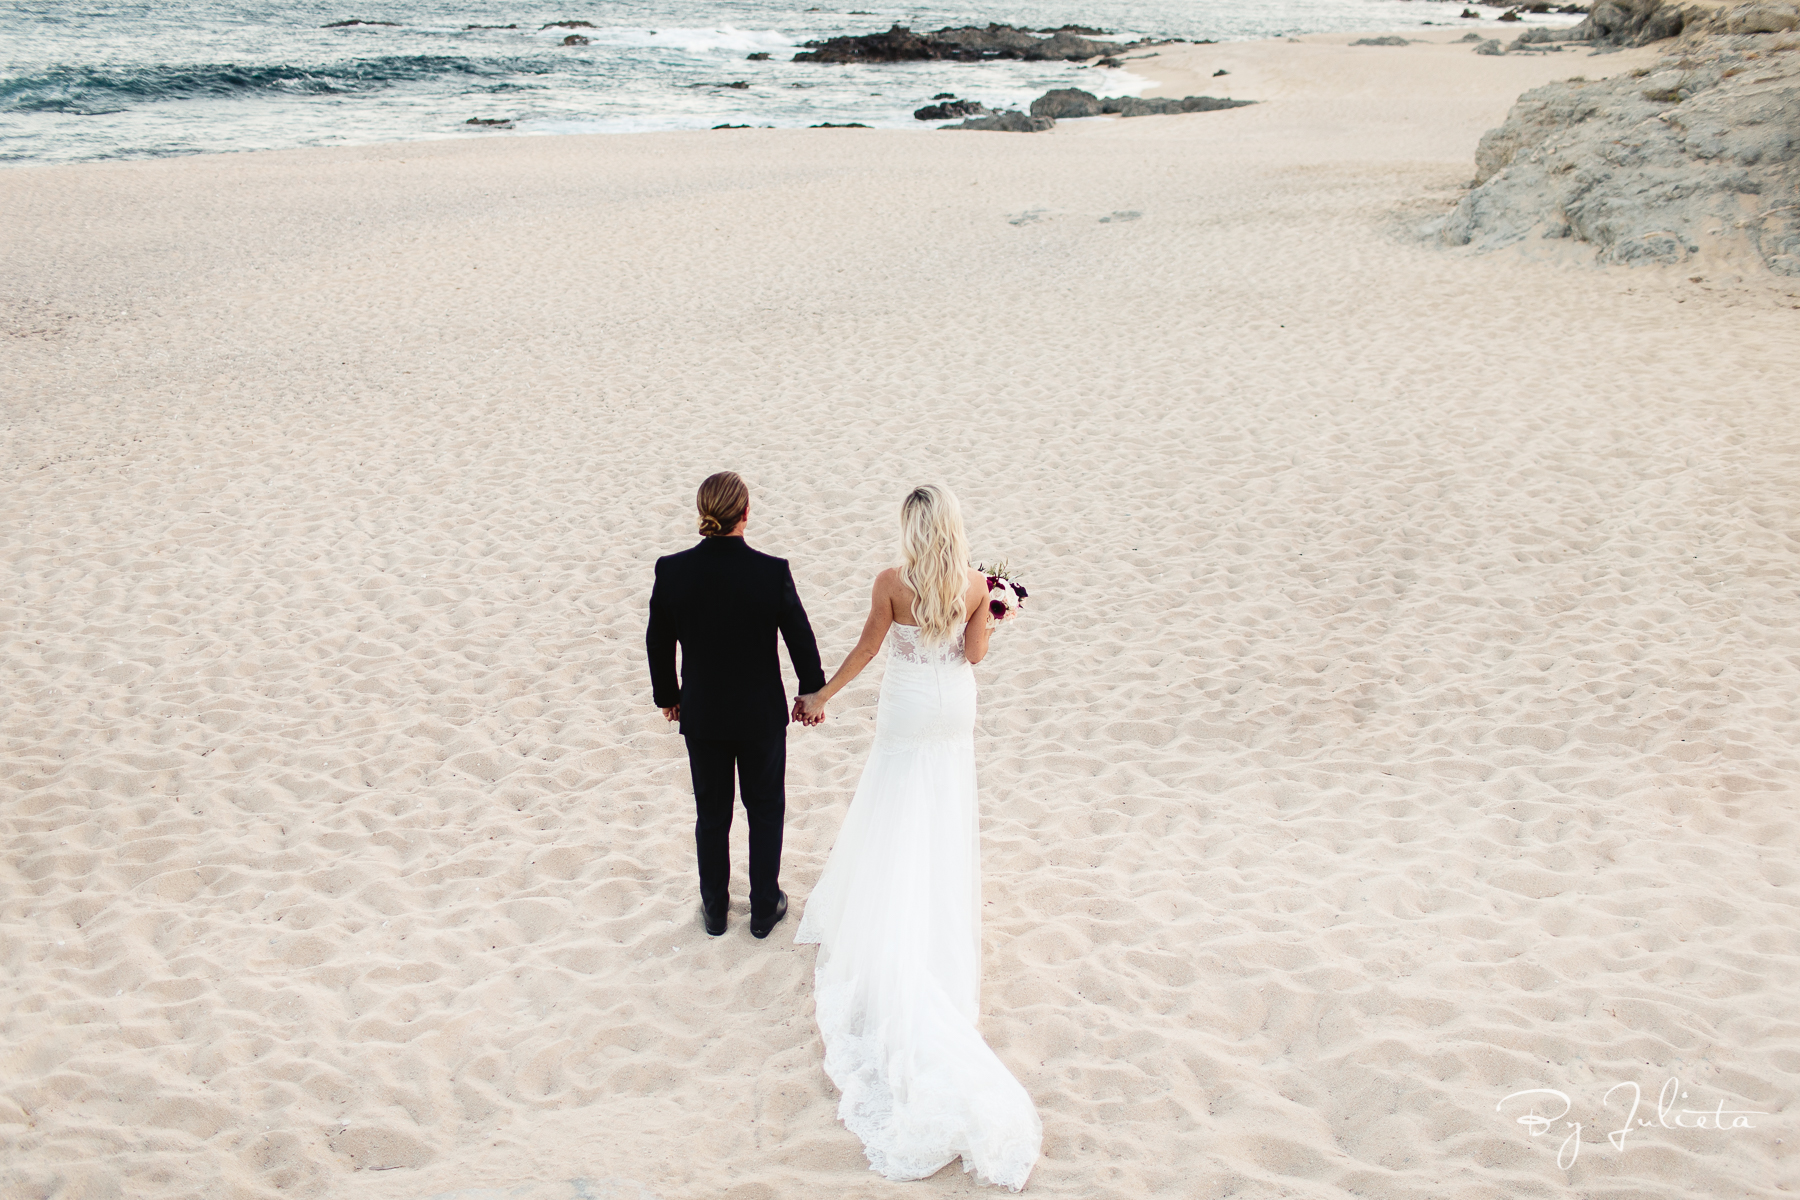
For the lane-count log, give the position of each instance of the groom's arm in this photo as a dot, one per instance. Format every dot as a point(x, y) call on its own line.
point(797, 632)
point(659, 640)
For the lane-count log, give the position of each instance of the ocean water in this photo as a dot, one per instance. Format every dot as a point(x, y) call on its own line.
point(92, 79)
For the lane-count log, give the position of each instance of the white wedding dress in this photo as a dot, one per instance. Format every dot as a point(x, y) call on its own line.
point(897, 917)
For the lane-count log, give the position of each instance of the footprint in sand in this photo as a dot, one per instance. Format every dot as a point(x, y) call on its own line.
point(1120, 216)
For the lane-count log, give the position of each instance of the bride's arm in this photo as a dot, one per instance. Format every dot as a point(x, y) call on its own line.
point(881, 615)
point(981, 622)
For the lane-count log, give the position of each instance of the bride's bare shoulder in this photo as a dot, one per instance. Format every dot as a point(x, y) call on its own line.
point(890, 587)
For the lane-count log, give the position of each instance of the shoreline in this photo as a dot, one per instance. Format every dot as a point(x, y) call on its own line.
point(491, 123)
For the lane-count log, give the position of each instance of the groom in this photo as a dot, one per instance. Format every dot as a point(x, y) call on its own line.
point(723, 602)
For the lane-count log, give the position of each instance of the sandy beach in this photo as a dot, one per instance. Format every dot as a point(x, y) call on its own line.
point(1406, 717)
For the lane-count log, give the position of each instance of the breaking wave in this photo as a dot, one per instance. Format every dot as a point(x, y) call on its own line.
point(98, 90)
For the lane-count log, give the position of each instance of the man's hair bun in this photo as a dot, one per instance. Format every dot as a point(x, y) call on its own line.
point(722, 500)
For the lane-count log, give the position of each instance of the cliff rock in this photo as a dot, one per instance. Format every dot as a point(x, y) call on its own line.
point(1703, 150)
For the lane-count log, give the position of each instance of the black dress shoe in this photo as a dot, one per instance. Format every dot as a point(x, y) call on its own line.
point(715, 917)
point(759, 927)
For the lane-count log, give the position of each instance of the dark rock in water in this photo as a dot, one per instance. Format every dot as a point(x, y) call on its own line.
point(490, 122)
point(1511, 14)
point(1059, 103)
point(1109, 61)
point(1219, 72)
point(349, 23)
point(569, 25)
point(1469, 12)
point(1648, 169)
point(574, 39)
point(949, 108)
point(1003, 41)
point(830, 125)
point(945, 96)
point(1083, 30)
point(468, 27)
point(967, 44)
point(736, 85)
point(1011, 121)
point(896, 45)
point(731, 127)
point(1381, 41)
point(759, 56)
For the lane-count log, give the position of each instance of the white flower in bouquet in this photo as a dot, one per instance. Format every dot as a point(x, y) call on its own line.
point(1006, 595)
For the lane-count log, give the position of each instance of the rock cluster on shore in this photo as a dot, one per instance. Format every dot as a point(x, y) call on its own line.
point(970, 43)
point(1065, 102)
point(1703, 149)
point(1010, 121)
point(1073, 102)
point(946, 107)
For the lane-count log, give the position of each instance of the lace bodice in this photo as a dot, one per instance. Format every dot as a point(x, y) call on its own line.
point(906, 644)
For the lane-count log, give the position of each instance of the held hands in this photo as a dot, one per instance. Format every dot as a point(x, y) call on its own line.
point(809, 709)
point(672, 713)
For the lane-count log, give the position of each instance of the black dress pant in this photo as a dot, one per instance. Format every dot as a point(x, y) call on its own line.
point(761, 770)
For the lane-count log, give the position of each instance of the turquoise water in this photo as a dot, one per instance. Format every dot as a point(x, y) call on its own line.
point(98, 80)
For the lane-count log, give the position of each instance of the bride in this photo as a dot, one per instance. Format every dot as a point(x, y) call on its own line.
point(897, 912)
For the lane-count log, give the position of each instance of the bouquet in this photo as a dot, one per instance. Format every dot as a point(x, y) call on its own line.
point(1006, 595)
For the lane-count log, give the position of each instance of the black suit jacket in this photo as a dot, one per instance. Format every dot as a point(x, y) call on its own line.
point(723, 602)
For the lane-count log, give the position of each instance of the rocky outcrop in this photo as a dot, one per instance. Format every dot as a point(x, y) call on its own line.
point(1640, 22)
point(1700, 152)
point(1382, 41)
point(354, 21)
point(1762, 18)
point(966, 44)
point(1011, 121)
point(1632, 22)
point(1073, 102)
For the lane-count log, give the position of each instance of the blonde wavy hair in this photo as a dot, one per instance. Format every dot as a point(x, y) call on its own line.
point(935, 553)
